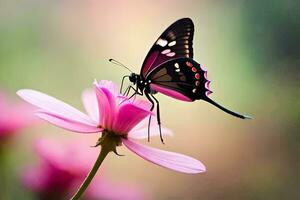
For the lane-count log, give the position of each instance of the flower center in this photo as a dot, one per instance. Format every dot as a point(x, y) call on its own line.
point(109, 140)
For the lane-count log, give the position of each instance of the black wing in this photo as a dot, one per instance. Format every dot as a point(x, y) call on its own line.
point(175, 42)
point(184, 79)
point(182, 75)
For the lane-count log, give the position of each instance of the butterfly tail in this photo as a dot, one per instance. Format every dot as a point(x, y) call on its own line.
point(226, 110)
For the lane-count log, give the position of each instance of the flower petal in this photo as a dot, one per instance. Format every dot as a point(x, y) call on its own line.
point(129, 115)
point(54, 106)
point(75, 155)
point(107, 106)
point(154, 131)
point(68, 124)
point(140, 131)
point(110, 86)
point(90, 104)
point(35, 178)
point(170, 160)
point(102, 188)
point(14, 116)
point(145, 104)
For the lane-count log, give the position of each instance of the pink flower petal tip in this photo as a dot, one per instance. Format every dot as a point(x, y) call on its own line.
point(170, 160)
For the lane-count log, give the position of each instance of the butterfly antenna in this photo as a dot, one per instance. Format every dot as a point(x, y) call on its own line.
point(226, 110)
point(118, 63)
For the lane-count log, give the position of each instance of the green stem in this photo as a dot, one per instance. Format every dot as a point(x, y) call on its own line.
point(90, 176)
point(5, 182)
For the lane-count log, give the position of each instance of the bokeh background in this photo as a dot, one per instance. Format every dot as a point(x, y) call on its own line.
point(250, 48)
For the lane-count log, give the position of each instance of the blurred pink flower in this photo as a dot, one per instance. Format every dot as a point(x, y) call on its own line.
point(64, 166)
point(13, 117)
point(110, 113)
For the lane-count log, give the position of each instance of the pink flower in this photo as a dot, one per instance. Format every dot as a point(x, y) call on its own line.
point(63, 167)
point(114, 116)
point(13, 117)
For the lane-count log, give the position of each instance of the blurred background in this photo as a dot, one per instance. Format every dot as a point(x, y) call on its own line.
point(250, 48)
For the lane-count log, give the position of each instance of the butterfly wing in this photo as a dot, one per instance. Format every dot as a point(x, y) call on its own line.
point(180, 78)
point(186, 80)
point(175, 42)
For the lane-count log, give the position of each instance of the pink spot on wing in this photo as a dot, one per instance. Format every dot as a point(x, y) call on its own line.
point(205, 74)
point(197, 76)
point(149, 62)
point(166, 51)
point(194, 69)
point(208, 92)
point(169, 92)
point(189, 64)
point(207, 85)
point(203, 68)
point(171, 54)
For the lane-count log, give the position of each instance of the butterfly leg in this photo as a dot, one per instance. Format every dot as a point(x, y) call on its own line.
point(127, 91)
point(123, 83)
point(136, 91)
point(151, 109)
point(158, 117)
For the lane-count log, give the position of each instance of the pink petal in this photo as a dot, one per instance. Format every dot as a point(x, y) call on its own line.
point(90, 104)
point(154, 131)
point(14, 115)
point(145, 104)
point(62, 163)
point(102, 188)
point(129, 115)
point(170, 160)
point(35, 178)
point(140, 131)
point(107, 106)
point(74, 156)
point(68, 124)
point(54, 106)
point(110, 86)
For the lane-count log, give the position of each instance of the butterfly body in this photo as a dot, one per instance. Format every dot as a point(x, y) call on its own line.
point(169, 68)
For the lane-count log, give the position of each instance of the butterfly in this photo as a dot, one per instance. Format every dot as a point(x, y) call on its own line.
point(169, 68)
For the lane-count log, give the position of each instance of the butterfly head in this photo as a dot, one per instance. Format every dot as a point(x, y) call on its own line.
point(134, 78)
